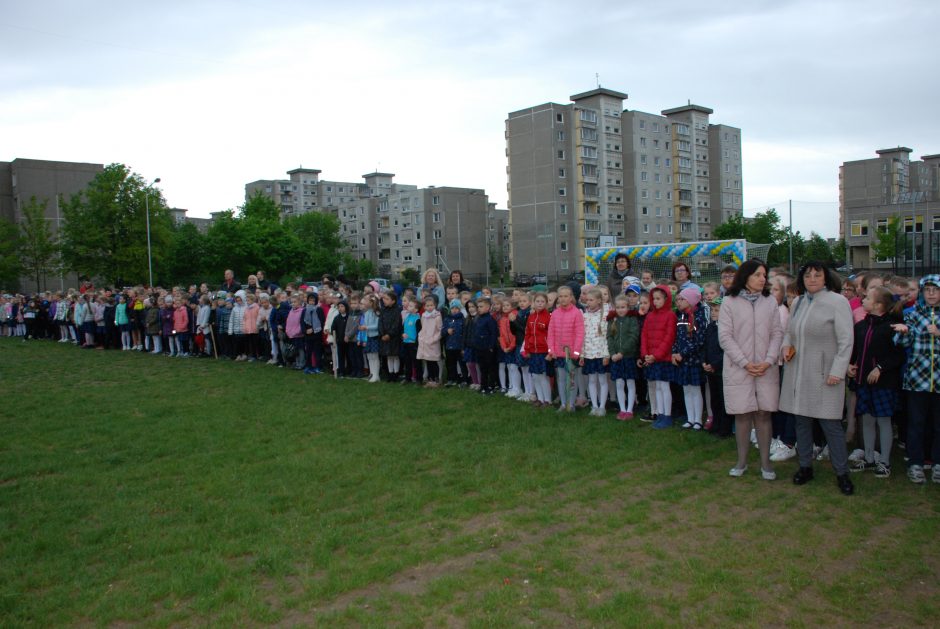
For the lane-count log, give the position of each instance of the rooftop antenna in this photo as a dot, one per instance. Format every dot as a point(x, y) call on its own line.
point(597, 79)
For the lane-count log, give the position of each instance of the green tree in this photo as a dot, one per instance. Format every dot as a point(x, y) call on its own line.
point(10, 267)
point(356, 270)
point(260, 208)
point(186, 257)
point(317, 237)
point(104, 233)
point(839, 253)
point(411, 276)
point(817, 248)
point(764, 228)
point(886, 241)
point(38, 249)
point(731, 229)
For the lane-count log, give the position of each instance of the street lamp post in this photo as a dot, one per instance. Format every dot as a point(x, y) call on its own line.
point(147, 206)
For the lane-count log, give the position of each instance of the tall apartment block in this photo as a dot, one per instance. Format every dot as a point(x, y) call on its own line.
point(398, 226)
point(591, 172)
point(49, 181)
point(873, 191)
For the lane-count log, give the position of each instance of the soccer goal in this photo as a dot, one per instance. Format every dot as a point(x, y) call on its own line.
point(705, 259)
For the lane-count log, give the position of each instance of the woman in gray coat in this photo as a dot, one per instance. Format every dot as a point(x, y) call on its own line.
point(817, 348)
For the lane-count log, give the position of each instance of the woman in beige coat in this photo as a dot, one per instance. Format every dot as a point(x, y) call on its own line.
point(817, 348)
point(750, 334)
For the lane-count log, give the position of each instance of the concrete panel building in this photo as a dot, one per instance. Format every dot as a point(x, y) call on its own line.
point(48, 181)
point(873, 191)
point(592, 171)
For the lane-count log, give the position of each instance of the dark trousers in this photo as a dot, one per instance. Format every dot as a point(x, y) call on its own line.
point(923, 422)
point(723, 421)
point(434, 371)
point(341, 349)
point(454, 358)
point(486, 359)
point(409, 352)
point(313, 346)
point(354, 355)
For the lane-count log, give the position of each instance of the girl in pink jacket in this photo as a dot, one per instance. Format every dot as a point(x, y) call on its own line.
point(429, 340)
point(565, 340)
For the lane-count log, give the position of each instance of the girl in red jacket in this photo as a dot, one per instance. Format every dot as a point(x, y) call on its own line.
point(535, 349)
point(659, 333)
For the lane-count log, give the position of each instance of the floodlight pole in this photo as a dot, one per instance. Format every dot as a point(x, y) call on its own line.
point(791, 236)
point(147, 207)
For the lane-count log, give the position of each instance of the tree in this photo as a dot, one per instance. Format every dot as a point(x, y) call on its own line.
point(186, 257)
point(886, 241)
point(731, 229)
point(10, 267)
point(104, 233)
point(817, 248)
point(764, 228)
point(318, 238)
point(38, 249)
point(839, 253)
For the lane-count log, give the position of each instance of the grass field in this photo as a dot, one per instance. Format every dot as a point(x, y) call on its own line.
point(167, 492)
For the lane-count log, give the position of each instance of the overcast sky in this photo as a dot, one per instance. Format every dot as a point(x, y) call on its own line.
point(211, 95)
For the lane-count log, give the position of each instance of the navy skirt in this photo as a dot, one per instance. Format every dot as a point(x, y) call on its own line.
point(469, 355)
point(876, 401)
point(659, 371)
point(537, 364)
point(372, 345)
point(593, 365)
point(623, 369)
point(688, 374)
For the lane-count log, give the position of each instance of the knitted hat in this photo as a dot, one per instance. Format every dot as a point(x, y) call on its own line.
point(691, 295)
point(455, 303)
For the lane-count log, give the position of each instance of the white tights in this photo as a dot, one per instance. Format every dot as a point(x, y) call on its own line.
point(626, 399)
point(663, 397)
point(693, 402)
point(597, 388)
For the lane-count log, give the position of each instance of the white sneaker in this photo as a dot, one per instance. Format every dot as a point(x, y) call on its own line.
point(857, 455)
point(374, 378)
point(768, 474)
point(916, 474)
point(784, 453)
point(935, 474)
point(737, 471)
point(775, 445)
point(823, 454)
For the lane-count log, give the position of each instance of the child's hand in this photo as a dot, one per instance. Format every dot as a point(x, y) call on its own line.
point(616, 357)
point(873, 375)
point(900, 328)
point(386, 337)
point(606, 361)
point(581, 362)
point(512, 316)
point(788, 353)
point(450, 330)
point(708, 368)
point(676, 359)
point(640, 363)
point(852, 371)
point(650, 359)
point(933, 330)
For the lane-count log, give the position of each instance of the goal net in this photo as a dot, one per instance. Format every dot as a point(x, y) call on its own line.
point(705, 259)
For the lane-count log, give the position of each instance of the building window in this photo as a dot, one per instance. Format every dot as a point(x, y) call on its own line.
point(561, 172)
point(934, 223)
point(436, 217)
point(644, 176)
point(860, 228)
point(561, 136)
point(564, 264)
point(644, 194)
point(659, 195)
point(659, 211)
point(438, 234)
point(562, 192)
point(642, 124)
point(881, 224)
point(435, 200)
point(657, 177)
point(646, 228)
point(589, 170)
point(643, 160)
point(589, 134)
point(644, 211)
point(588, 116)
point(643, 143)
point(589, 152)
point(918, 224)
point(564, 245)
point(669, 228)
point(561, 154)
point(558, 118)
point(563, 208)
point(563, 227)
point(659, 229)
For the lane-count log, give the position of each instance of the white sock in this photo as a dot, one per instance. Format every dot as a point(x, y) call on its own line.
point(561, 379)
point(665, 397)
point(604, 390)
point(693, 403)
point(621, 394)
point(631, 395)
point(515, 379)
point(527, 381)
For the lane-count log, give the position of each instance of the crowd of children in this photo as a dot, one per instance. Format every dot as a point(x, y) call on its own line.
point(653, 345)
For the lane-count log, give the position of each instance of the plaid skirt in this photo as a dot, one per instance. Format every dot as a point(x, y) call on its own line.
point(593, 365)
point(469, 355)
point(876, 401)
point(659, 371)
point(688, 374)
point(508, 358)
point(537, 363)
point(371, 346)
point(623, 369)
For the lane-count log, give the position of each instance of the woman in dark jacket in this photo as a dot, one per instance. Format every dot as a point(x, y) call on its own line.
point(390, 330)
point(622, 269)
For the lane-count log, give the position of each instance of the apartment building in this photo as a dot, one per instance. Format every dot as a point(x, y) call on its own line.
point(890, 186)
point(49, 181)
point(592, 172)
point(397, 226)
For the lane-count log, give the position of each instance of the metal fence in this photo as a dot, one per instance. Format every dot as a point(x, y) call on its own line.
point(917, 254)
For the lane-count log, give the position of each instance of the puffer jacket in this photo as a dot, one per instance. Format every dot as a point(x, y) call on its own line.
point(623, 335)
point(507, 340)
point(566, 330)
point(453, 340)
point(536, 333)
point(659, 330)
point(923, 364)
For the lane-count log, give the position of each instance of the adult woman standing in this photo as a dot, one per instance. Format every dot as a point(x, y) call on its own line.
point(817, 348)
point(622, 268)
point(750, 333)
point(683, 274)
point(432, 281)
point(457, 281)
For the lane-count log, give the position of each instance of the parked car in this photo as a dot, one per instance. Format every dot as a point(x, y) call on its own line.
point(540, 278)
point(381, 281)
point(577, 277)
point(523, 280)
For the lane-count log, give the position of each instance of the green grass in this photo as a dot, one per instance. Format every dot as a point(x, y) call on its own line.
point(164, 492)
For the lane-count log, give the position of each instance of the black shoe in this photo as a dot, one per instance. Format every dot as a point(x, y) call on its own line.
point(804, 475)
point(845, 485)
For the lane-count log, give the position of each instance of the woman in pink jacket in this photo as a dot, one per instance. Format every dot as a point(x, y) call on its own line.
point(750, 334)
point(565, 340)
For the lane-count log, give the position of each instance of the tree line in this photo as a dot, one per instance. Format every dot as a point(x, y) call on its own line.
point(103, 235)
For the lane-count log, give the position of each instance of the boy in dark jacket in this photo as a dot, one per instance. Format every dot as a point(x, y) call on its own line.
point(453, 343)
point(485, 341)
point(720, 423)
point(354, 359)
